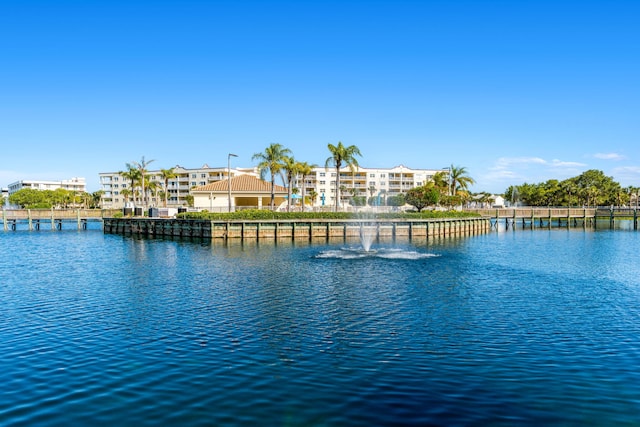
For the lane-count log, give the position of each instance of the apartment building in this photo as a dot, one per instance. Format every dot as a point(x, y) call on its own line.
point(73, 184)
point(367, 182)
point(118, 192)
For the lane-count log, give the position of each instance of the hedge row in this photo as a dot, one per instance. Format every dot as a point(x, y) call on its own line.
point(256, 214)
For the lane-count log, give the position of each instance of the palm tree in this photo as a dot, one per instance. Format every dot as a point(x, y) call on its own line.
point(125, 192)
point(304, 169)
point(270, 162)
point(460, 181)
point(291, 169)
point(153, 187)
point(441, 182)
point(166, 175)
point(341, 155)
point(142, 169)
point(133, 175)
point(313, 194)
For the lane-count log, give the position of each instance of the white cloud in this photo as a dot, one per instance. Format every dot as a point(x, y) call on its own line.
point(506, 162)
point(555, 163)
point(508, 171)
point(609, 156)
point(627, 175)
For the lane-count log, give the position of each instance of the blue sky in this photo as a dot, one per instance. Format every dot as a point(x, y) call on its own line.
point(515, 91)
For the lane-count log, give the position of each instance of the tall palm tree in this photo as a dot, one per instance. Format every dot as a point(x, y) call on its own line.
point(291, 169)
point(460, 181)
point(304, 168)
point(270, 162)
point(153, 187)
point(133, 175)
point(341, 155)
point(142, 168)
point(166, 175)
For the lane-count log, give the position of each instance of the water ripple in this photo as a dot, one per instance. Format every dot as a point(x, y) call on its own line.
point(499, 330)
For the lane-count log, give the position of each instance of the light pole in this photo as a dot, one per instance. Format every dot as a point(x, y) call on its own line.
point(229, 176)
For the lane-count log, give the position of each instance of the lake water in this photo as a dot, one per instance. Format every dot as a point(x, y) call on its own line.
point(510, 328)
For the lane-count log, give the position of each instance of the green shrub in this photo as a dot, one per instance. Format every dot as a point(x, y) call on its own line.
point(259, 215)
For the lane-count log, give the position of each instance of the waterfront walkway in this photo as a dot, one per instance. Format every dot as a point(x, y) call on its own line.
point(531, 217)
point(37, 218)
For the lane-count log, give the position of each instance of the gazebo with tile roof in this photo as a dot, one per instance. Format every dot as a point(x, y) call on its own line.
point(247, 191)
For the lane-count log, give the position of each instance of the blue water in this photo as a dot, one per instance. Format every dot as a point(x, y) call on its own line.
point(510, 328)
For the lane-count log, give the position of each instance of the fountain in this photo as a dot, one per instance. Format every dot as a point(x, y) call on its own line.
point(515, 197)
point(367, 235)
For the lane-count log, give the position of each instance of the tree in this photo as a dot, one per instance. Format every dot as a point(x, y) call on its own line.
point(142, 172)
point(341, 155)
point(270, 162)
point(291, 169)
point(421, 197)
point(313, 195)
point(96, 198)
point(460, 181)
point(133, 175)
point(125, 193)
point(166, 175)
point(397, 200)
point(441, 183)
point(304, 170)
point(153, 187)
point(29, 198)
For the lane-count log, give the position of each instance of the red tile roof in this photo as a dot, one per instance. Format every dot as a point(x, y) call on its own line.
point(241, 184)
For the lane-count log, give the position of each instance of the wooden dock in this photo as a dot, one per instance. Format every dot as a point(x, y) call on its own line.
point(38, 218)
point(530, 217)
point(297, 229)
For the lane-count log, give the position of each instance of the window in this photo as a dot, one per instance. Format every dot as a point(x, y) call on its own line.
point(193, 183)
point(372, 175)
point(115, 185)
point(372, 184)
point(322, 174)
point(124, 185)
point(323, 182)
point(193, 175)
point(333, 174)
point(115, 178)
point(203, 183)
point(203, 175)
point(382, 175)
point(382, 184)
point(418, 184)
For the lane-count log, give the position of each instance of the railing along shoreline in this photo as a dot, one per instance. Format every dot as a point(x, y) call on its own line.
point(528, 217)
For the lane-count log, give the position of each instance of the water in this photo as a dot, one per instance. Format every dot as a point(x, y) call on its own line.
point(512, 328)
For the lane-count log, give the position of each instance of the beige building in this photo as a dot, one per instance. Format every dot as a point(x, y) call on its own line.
point(118, 192)
point(208, 187)
point(367, 182)
point(247, 192)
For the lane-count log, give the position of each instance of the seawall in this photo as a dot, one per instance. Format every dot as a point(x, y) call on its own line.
point(297, 229)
